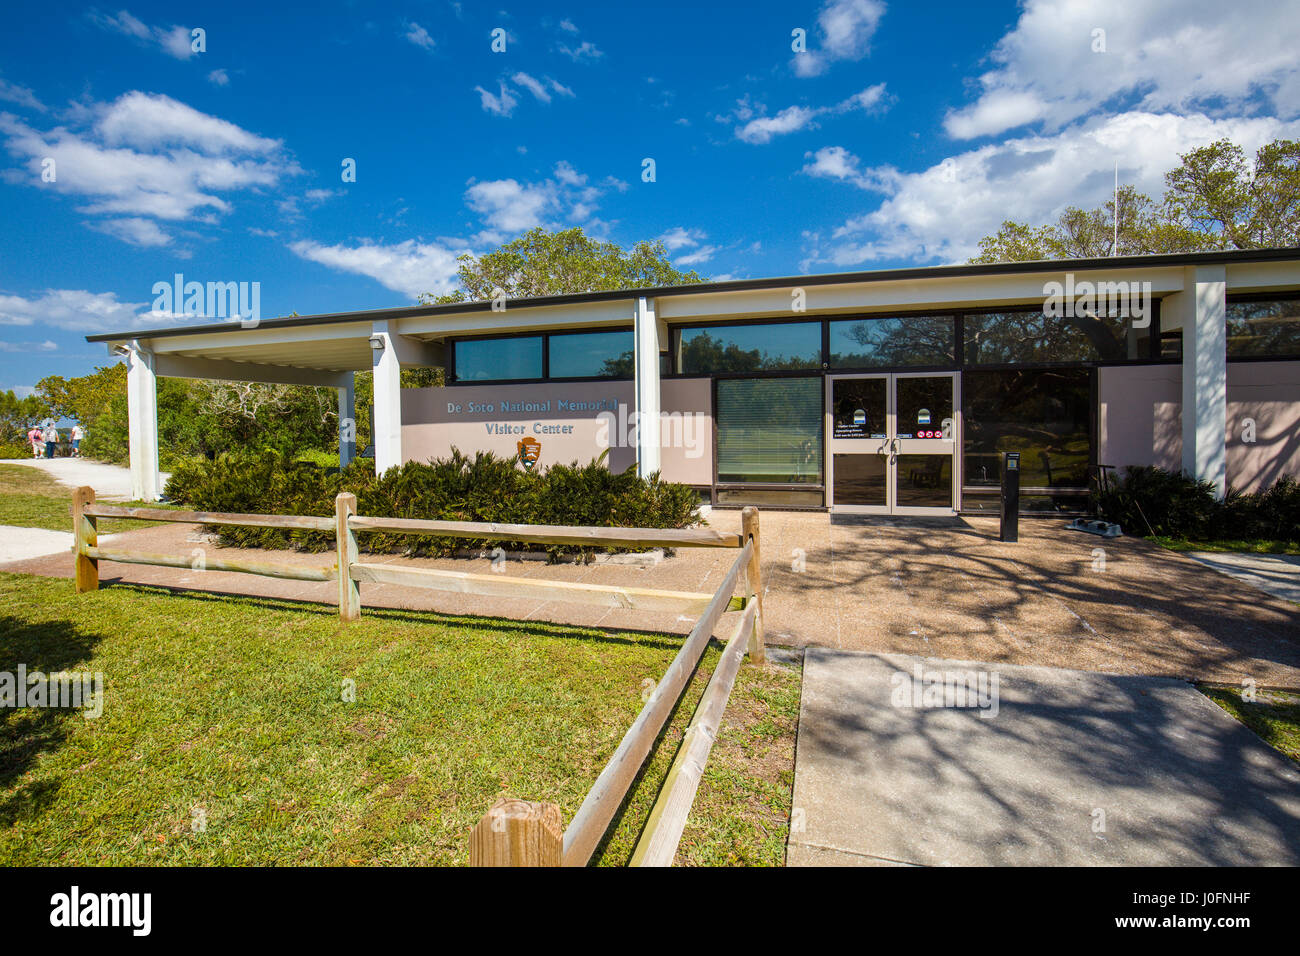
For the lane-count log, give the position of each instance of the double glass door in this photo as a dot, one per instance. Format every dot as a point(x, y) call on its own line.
point(891, 443)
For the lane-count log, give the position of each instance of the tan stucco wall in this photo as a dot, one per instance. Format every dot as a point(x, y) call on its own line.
point(1268, 392)
point(434, 420)
point(694, 465)
point(1140, 419)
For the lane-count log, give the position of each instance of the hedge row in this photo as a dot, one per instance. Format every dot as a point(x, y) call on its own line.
point(460, 488)
point(1148, 500)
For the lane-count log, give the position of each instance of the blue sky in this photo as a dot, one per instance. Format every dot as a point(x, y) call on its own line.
point(901, 134)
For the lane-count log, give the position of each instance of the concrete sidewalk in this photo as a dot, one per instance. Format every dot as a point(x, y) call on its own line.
point(1276, 574)
point(1174, 779)
point(25, 544)
point(111, 482)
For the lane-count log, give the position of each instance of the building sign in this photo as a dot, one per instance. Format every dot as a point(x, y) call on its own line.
point(543, 423)
point(853, 429)
point(530, 449)
point(551, 423)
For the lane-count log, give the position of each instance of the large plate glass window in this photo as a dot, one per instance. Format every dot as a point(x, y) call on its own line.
point(770, 430)
point(750, 348)
point(486, 360)
point(1267, 328)
point(892, 341)
point(1016, 337)
point(1046, 416)
point(592, 355)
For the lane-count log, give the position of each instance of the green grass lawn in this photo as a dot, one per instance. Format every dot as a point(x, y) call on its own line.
point(31, 498)
point(231, 710)
point(1251, 546)
point(1274, 715)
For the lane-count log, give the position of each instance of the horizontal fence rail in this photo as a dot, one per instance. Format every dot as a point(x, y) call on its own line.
point(553, 534)
point(289, 571)
point(496, 585)
point(300, 522)
point(518, 832)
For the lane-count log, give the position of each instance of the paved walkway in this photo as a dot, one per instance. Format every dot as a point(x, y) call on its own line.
point(1170, 776)
point(20, 544)
point(111, 482)
point(938, 589)
point(1278, 574)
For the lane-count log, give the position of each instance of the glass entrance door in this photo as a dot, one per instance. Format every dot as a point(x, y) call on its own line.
point(891, 442)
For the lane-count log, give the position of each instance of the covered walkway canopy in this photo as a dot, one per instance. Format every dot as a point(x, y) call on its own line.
point(326, 350)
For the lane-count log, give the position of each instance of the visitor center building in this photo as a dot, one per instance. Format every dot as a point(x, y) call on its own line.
point(891, 392)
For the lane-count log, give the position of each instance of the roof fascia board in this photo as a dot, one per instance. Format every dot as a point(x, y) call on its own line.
point(261, 335)
point(925, 273)
point(1262, 276)
point(951, 293)
point(523, 318)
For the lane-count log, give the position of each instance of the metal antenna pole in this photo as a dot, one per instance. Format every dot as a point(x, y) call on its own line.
point(1114, 245)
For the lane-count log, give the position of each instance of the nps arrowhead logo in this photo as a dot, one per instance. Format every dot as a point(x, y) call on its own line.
point(530, 449)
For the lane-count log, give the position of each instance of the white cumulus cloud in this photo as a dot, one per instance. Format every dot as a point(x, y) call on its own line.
point(1064, 60)
point(175, 41)
point(942, 212)
point(73, 309)
point(845, 29)
point(419, 36)
point(409, 267)
point(146, 155)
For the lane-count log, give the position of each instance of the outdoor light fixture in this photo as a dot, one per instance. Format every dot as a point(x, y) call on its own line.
point(117, 350)
point(377, 343)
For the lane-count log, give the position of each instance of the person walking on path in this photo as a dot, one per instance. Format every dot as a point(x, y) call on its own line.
point(77, 435)
point(51, 439)
point(34, 439)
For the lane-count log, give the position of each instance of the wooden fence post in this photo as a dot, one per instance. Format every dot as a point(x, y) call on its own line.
point(86, 534)
point(753, 581)
point(345, 543)
point(518, 833)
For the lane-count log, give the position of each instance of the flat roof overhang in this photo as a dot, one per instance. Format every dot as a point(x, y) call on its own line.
point(339, 342)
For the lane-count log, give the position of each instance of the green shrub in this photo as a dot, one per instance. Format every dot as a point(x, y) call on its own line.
point(15, 450)
point(484, 487)
point(1146, 500)
point(323, 459)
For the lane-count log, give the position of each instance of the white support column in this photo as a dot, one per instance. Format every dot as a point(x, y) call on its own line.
point(1203, 308)
point(142, 422)
point(647, 345)
point(388, 398)
point(347, 421)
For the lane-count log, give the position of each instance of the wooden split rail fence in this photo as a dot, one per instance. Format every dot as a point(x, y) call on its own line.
point(519, 832)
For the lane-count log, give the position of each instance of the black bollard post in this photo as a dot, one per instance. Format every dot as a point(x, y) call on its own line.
point(1010, 527)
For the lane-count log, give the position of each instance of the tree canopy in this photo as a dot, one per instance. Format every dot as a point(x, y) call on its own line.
point(19, 414)
point(1215, 199)
point(560, 263)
